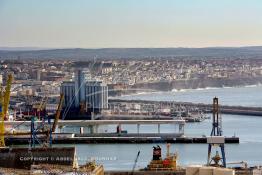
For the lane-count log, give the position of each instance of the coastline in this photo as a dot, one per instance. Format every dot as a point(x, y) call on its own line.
point(199, 83)
point(136, 93)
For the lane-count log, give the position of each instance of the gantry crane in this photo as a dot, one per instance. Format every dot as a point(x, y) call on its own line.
point(216, 138)
point(45, 128)
point(4, 102)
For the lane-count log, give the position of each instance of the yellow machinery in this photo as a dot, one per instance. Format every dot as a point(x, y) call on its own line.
point(4, 102)
point(45, 128)
point(2, 127)
point(58, 112)
point(42, 105)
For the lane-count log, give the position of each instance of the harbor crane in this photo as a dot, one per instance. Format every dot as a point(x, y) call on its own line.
point(216, 138)
point(58, 112)
point(4, 103)
point(43, 129)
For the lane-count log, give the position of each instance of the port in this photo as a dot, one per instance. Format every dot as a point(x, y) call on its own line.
point(130, 87)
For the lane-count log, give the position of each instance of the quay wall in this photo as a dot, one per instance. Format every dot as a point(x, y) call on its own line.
point(125, 138)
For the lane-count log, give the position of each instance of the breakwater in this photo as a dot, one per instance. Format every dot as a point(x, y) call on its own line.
point(224, 109)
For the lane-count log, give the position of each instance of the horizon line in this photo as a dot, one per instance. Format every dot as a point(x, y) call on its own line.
point(28, 48)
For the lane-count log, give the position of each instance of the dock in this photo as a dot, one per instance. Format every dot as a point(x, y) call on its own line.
point(176, 136)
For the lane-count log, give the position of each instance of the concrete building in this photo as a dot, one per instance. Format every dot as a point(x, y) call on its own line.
point(87, 96)
point(68, 89)
point(96, 95)
point(79, 87)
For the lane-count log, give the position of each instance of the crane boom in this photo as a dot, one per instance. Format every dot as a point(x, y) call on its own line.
point(58, 112)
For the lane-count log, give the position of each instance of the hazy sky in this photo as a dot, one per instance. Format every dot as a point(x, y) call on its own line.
point(130, 23)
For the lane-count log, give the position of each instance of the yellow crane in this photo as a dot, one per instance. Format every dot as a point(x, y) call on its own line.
point(4, 102)
point(41, 106)
point(58, 112)
point(45, 129)
point(2, 127)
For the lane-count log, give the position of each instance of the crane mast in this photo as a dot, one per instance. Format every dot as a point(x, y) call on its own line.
point(2, 128)
point(4, 102)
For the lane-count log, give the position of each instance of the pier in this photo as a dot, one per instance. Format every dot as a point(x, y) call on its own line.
point(94, 124)
point(178, 136)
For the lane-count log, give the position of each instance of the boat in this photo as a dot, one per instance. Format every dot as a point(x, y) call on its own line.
point(169, 163)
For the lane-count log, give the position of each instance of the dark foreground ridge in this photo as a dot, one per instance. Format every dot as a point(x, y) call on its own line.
point(23, 158)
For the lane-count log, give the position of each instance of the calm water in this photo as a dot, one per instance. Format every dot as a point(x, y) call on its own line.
point(122, 156)
point(248, 128)
point(246, 96)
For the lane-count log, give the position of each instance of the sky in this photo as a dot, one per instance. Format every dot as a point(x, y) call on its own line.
point(130, 23)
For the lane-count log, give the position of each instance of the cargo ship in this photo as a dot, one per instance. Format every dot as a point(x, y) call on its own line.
point(162, 164)
point(169, 165)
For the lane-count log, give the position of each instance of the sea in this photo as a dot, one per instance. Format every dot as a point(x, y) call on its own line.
point(247, 128)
